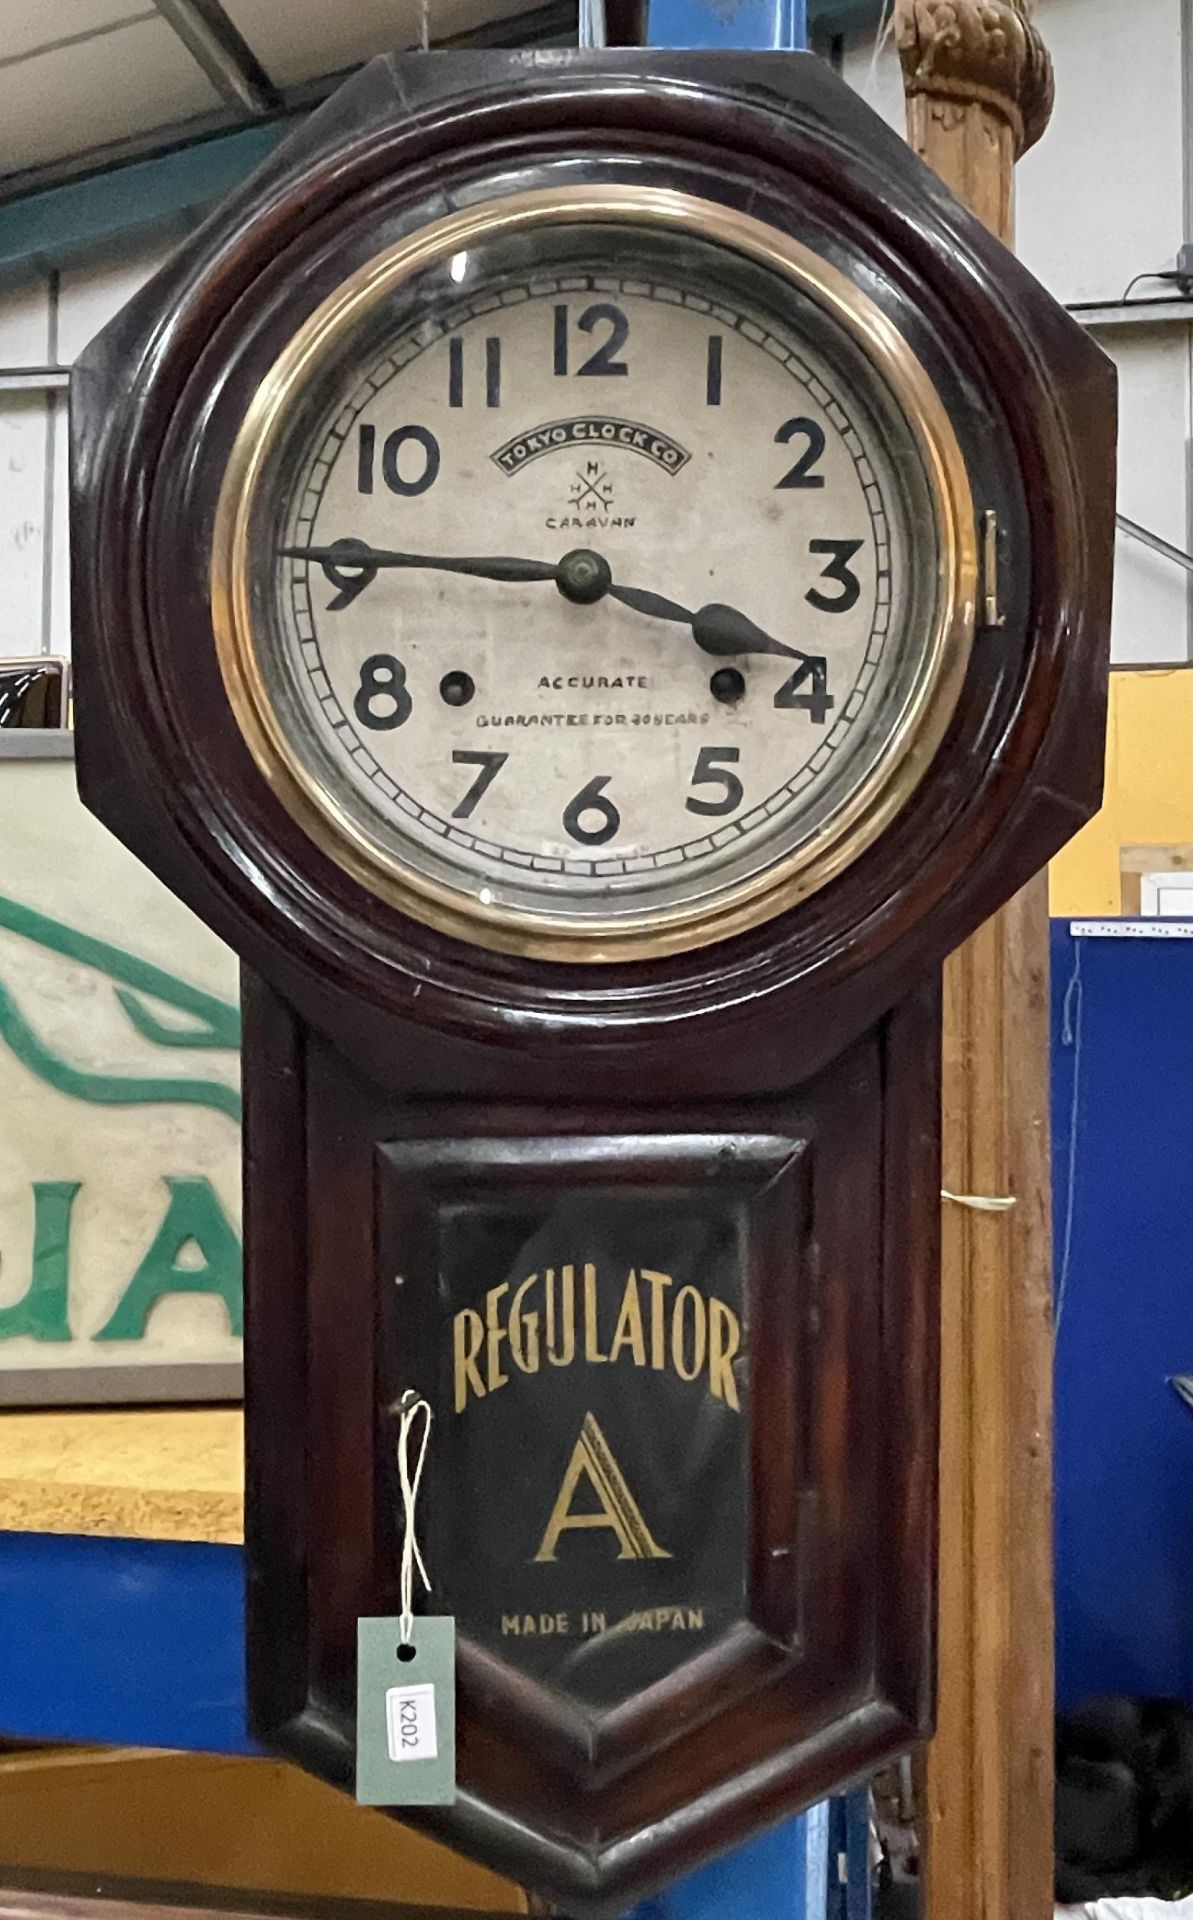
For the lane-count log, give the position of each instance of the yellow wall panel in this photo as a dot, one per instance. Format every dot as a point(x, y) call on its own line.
point(1149, 789)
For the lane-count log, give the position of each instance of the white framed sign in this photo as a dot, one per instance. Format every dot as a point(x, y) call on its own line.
point(120, 1255)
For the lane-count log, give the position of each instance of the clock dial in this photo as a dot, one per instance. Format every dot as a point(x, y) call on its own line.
point(593, 581)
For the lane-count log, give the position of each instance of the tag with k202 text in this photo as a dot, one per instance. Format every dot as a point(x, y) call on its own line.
point(406, 1713)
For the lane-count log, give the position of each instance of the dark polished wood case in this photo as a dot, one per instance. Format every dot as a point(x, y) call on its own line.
point(430, 1124)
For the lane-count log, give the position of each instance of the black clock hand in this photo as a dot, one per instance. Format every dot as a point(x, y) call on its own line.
point(580, 576)
point(715, 629)
point(724, 630)
point(352, 565)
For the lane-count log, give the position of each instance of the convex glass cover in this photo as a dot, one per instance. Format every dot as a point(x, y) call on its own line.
point(593, 573)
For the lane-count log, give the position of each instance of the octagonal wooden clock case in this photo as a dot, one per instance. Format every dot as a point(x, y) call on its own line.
point(592, 573)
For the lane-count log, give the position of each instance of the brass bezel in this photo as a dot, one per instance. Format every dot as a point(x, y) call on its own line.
point(913, 741)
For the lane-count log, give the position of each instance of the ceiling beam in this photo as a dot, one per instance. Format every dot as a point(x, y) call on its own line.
point(225, 56)
point(126, 205)
point(161, 184)
point(552, 24)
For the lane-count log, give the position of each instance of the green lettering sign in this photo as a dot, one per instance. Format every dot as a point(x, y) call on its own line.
point(41, 1313)
point(196, 1219)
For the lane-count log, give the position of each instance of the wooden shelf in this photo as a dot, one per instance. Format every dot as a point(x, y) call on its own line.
point(139, 1475)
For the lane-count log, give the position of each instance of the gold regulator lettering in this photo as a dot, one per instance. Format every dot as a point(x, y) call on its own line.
point(548, 1319)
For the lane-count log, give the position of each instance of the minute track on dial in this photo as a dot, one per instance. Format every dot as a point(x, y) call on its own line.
point(582, 576)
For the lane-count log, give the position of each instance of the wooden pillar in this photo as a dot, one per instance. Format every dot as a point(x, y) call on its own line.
point(979, 92)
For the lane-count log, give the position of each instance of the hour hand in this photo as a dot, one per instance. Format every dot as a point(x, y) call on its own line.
point(723, 630)
point(718, 630)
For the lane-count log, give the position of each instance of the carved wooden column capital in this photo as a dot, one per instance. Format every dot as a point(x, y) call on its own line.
point(965, 58)
point(978, 80)
point(961, 53)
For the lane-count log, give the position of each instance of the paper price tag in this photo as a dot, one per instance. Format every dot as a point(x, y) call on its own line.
point(410, 1723)
point(406, 1714)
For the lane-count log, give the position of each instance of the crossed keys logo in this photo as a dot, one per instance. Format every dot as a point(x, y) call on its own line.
point(592, 488)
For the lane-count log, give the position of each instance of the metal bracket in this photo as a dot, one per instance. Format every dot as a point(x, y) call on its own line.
point(992, 608)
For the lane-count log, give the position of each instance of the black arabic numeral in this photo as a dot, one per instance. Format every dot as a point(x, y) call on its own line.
point(455, 371)
point(365, 454)
point(391, 452)
point(490, 765)
point(604, 360)
point(592, 799)
point(817, 701)
point(714, 370)
point(348, 575)
point(840, 572)
point(708, 774)
point(801, 474)
point(382, 681)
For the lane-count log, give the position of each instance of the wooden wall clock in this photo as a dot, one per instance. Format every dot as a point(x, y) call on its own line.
point(592, 572)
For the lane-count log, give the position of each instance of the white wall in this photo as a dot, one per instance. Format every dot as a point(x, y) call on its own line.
point(1151, 593)
point(47, 320)
point(1101, 197)
point(1100, 200)
point(24, 433)
point(875, 73)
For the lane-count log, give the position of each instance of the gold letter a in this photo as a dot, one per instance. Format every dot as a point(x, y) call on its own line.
point(619, 1510)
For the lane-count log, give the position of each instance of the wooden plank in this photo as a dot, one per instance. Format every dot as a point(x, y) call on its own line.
point(65, 1896)
point(200, 1830)
point(979, 90)
point(160, 1475)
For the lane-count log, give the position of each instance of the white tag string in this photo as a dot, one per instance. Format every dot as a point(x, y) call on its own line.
point(981, 1202)
point(408, 1408)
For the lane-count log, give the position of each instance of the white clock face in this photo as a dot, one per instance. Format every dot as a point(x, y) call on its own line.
point(592, 578)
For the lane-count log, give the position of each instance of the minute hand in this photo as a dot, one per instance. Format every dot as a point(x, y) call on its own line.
point(358, 557)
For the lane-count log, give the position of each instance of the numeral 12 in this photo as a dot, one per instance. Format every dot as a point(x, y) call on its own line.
point(604, 360)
